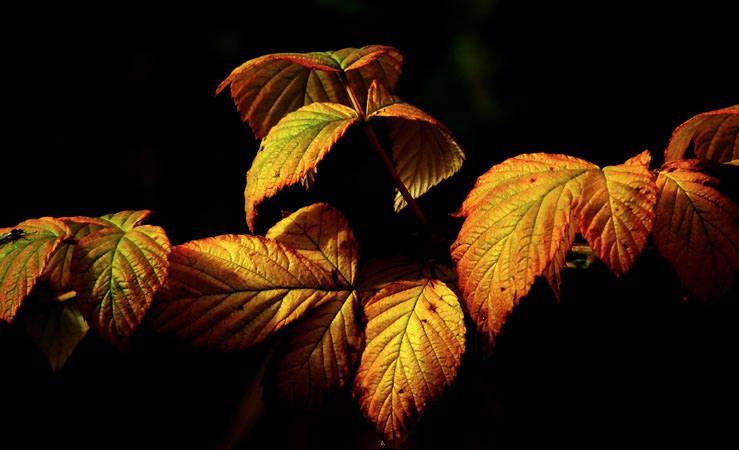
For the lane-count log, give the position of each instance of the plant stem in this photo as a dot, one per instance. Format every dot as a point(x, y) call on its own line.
point(389, 167)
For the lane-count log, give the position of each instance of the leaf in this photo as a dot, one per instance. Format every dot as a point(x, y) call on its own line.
point(518, 219)
point(117, 272)
point(319, 353)
point(696, 228)
point(322, 234)
point(232, 292)
point(58, 271)
point(57, 331)
point(415, 340)
point(713, 135)
point(424, 151)
point(267, 88)
point(379, 272)
point(293, 148)
point(617, 211)
point(25, 251)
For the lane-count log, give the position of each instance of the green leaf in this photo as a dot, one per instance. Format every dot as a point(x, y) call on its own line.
point(293, 149)
point(57, 331)
point(25, 251)
point(117, 272)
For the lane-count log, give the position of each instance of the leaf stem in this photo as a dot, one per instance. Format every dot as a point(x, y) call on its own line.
point(389, 167)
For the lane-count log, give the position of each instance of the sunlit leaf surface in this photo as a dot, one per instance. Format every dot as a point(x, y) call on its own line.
point(117, 270)
point(25, 250)
point(293, 149)
point(415, 339)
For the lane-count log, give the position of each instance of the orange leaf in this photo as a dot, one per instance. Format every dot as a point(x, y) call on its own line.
point(379, 272)
point(712, 135)
point(117, 270)
point(696, 229)
point(321, 233)
point(267, 88)
point(233, 291)
point(518, 219)
point(424, 151)
point(293, 149)
point(58, 271)
point(617, 211)
point(318, 355)
point(415, 340)
point(25, 251)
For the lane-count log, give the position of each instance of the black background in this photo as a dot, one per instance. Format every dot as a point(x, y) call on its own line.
point(111, 109)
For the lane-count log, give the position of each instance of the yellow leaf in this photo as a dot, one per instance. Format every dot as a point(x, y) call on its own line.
point(424, 150)
point(267, 88)
point(318, 354)
point(25, 251)
point(518, 220)
point(617, 211)
point(292, 149)
point(696, 229)
point(233, 291)
point(117, 270)
point(712, 135)
point(321, 233)
point(415, 340)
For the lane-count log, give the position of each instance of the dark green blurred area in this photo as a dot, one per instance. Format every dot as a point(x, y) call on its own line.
point(113, 107)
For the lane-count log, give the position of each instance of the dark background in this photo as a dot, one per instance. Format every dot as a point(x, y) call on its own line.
point(111, 109)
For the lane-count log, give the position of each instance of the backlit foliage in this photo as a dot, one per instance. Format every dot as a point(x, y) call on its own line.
point(390, 330)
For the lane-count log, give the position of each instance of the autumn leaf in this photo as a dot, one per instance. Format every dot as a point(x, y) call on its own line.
point(415, 339)
point(518, 220)
point(293, 149)
point(232, 292)
point(56, 331)
point(25, 251)
point(322, 234)
point(381, 271)
point(318, 354)
point(58, 272)
point(267, 88)
point(696, 228)
point(424, 151)
point(617, 211)
point(713, 135)
point(117, 270)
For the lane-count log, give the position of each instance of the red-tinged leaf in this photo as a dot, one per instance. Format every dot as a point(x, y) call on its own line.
point(319, 353)
point(617, 211)
point(712, 135)
point(696, 229)
point(266, 89)
point(518, 216)
point(424, 151)
point(232, 292)
point(415, 340)
point(293, 148)
point(25, 251)
point(117, 270)
point(58, 271)
point(321, 233)
point(57, 331)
